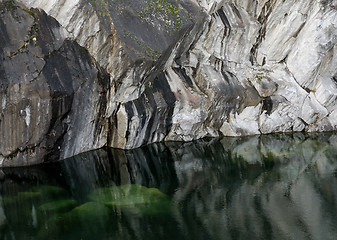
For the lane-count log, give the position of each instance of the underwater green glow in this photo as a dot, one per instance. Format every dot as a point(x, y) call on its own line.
point(262, 187)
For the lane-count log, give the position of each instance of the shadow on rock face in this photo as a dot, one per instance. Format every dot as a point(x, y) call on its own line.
point(44, 76)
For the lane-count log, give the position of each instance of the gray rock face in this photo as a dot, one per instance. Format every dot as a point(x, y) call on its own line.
point(49, 86)
point(79, 75)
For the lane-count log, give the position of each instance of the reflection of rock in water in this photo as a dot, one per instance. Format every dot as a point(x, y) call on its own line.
point(262, 187)
point(74, 214)
point(151, 166)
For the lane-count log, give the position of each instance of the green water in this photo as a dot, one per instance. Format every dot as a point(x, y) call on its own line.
point(263, 187)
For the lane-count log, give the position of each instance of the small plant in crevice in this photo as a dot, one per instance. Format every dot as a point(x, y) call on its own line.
point(149, 52)
point(102, 8)
point(258, 77)
point(10, 5)
point(261, 74)
point(30, 39)
point(32, 35)
point(164, 10)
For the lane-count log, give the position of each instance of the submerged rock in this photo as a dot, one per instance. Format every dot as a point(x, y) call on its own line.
point(80, 75)
point(83, 217)
point(133, 198)
point(58, 205)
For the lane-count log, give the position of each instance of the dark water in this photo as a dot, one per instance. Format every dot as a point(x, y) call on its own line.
point(267, 187)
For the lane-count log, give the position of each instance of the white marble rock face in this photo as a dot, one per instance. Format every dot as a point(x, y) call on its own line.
point(230, 68)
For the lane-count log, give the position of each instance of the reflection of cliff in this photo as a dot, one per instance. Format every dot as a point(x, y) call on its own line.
point(26, 208)
point(260, 188)
point(263, 187)
point(151, 166)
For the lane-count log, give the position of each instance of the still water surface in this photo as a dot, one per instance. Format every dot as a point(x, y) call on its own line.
point(262, 187)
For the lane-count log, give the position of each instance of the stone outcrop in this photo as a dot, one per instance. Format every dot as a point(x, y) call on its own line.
point(79, 75)
point(51, 89)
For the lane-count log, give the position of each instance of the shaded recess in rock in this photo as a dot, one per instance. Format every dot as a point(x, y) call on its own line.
point(156, 24)
point(38, 101)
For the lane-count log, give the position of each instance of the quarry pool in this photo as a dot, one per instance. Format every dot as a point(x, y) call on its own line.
point(263, 187)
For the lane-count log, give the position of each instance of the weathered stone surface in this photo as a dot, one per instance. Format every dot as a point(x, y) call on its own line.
point(44, 76)
point(127, 73)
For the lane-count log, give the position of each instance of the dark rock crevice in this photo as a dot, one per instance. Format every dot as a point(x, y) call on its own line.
point(155, 118)
point(262, 20)
point(103, 81)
